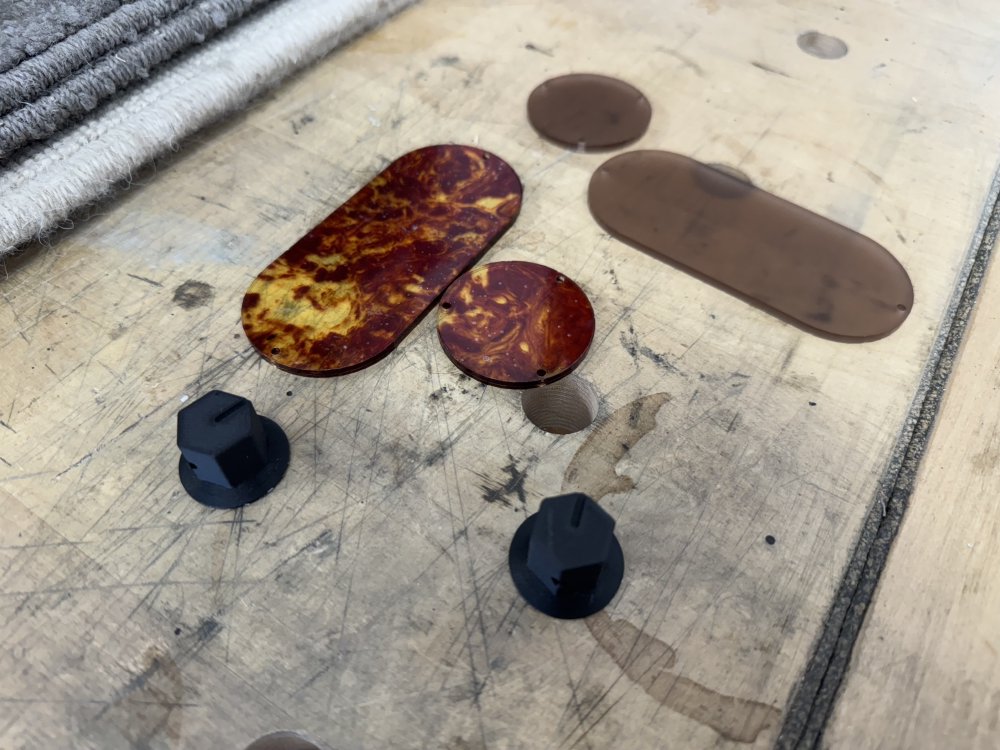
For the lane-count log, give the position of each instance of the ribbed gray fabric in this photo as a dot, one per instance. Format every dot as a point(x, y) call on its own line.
point(35, 75)
point(28, 27)
point(160, 29)
point(43, 184)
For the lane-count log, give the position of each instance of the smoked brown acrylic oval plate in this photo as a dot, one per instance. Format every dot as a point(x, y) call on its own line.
point(589, 112)
point(349, 291)
point(787, 260)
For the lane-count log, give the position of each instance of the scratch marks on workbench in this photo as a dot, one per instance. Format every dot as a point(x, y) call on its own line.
point(151, 282)
point(446, 61)
point(540, 50)
point(768, 69)
point(473, 74)
point(593, 468)
point(647, 661)
point(635, 348)
point(684, 60)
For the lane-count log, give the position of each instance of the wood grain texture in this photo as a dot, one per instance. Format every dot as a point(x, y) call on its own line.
point(928, 658)
point(366, 601)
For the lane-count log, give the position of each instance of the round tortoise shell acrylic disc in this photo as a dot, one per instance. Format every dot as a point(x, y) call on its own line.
point(515, 324)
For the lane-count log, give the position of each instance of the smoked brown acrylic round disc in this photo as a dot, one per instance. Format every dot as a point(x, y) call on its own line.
point(589, 111)
point(515, 324)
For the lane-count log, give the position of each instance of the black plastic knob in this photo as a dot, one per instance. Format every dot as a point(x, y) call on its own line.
point(565, 559)
point(230, 455)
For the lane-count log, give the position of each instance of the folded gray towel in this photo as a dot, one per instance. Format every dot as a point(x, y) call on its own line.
point(35, 75)
point(43, 184)
point(28, 27)
point(46, 92)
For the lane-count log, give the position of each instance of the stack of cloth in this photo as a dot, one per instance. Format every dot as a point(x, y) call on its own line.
point(90, 90)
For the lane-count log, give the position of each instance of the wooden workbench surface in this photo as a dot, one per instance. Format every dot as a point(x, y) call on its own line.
point(367, 600)
point(929, 654)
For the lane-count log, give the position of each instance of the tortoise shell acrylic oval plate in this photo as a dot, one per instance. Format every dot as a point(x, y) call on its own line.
point(349, 291)
point(515, 324)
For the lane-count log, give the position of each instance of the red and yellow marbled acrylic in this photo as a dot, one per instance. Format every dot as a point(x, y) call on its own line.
point(515, 324)
point(348, 291)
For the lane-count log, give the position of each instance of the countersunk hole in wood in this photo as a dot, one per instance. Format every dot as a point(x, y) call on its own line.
point(446, 305)
point(823, 46)
point(275, 350)
point(569, 405)
point(283, 741)
point(540, 372)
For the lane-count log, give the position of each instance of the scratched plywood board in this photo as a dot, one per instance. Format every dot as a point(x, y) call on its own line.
point(929, 653)
point(367, 599)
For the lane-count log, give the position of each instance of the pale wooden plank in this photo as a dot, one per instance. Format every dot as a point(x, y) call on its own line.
point(925, 672)
point(367, 598)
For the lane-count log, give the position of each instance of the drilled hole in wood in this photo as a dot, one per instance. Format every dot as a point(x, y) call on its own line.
point(823, 46)
point(283, 741)
point(570, 405)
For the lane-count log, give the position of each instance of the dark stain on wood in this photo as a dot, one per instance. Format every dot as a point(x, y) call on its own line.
point(192, 294)
point(592, 469)
point(508, 491)
point(647, 662)
point(642, 658)
point(768, 69)
point(149, 705)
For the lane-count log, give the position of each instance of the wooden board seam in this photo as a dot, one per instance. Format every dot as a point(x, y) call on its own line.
point(814, 696)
